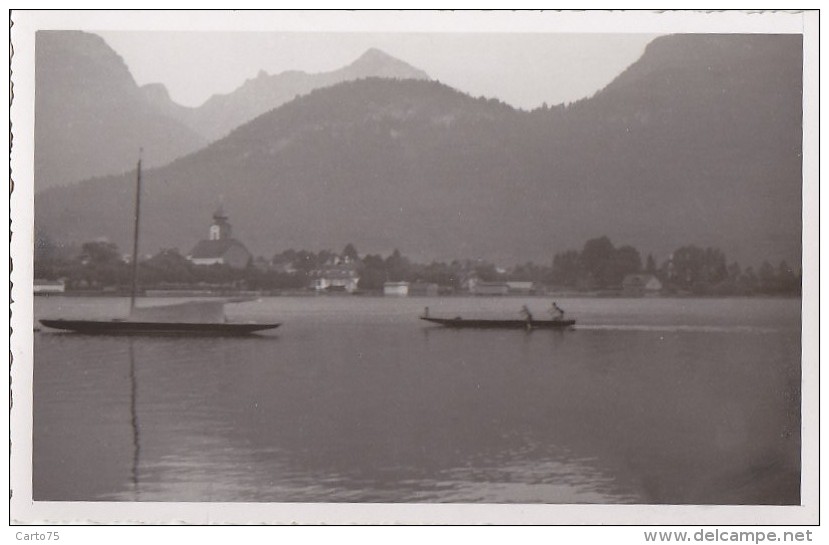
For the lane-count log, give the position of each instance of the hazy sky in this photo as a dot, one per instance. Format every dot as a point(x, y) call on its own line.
point(523, 70)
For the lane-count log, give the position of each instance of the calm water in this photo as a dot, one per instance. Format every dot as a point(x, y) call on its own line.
point(353, 399)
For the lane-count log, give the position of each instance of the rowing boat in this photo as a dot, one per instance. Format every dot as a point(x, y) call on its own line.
point(500, 324)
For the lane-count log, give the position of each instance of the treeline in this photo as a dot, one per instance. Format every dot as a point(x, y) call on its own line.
point(689, 269)
point(100, 265)
point(598, 266)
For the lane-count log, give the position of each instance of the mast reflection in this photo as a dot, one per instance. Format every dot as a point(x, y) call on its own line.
point(136, 444)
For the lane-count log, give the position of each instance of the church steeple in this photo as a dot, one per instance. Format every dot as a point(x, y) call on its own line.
point(220, 229)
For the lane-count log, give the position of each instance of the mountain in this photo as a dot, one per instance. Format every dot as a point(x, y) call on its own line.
point(91, 117)
point(223, 113)
point(700, 139)
point(698, 142)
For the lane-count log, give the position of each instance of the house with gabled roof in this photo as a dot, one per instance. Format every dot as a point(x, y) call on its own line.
point(342, 277)
point(641, 284)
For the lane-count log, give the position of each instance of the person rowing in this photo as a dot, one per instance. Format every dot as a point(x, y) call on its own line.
point(556, 311)
point(525, 312)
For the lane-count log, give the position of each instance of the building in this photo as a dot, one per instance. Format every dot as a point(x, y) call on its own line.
point(283, 266)
point(424, 289)
point(469, 281)
point(521, 287)
point(335, 278)
point(641, 284)
point(400, 289)
point(49, 286)
point(220, 248)
point(491, 288)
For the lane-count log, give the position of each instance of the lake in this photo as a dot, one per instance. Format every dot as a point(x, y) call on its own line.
point(646, 401)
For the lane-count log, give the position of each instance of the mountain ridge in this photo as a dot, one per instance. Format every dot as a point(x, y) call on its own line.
point(656, 160)
point(91, 118)
point(221, 113)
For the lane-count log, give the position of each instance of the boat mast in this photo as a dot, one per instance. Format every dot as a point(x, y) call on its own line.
point(135, 232)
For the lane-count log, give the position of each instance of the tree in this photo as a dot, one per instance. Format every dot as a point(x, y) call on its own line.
point(100, 253)
point(595, 259)
point(734, 272)
point(566, 268)
point(373, 274)
point(714, 269)
point(699, 268)
point(687, 265)
point(397, 267)
point(650, 265)
point(596, 255)
point(767, 277)
point(487, 272)
point(324, 257)
point(350, 252)
point(304, 260)
point(371, 279)
point(749, 279)
point(607, 266)
point(288, 256)
point(529, 271)
point(101, 265)
point(47, 261)
point(166, 266)
point(440, 273)
point(626, 260)
point(788, 281)
point(44, 250)
point(374, 262)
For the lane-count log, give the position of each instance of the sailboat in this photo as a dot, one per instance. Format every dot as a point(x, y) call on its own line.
point(188, 318)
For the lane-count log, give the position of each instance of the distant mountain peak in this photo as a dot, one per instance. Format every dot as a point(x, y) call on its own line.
point(91, 114)
point(378, 63)
point(373, 53)
point(222, 113)
point(156, 91)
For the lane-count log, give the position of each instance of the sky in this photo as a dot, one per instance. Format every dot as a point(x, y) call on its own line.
point(524, 70)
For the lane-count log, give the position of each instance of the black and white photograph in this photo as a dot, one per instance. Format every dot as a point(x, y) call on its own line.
point(374, 267)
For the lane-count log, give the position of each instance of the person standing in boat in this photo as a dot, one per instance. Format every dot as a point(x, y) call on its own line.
point(527, 315)
point(556, 311)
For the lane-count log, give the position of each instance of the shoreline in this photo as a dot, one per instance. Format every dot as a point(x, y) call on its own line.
point(160, 294)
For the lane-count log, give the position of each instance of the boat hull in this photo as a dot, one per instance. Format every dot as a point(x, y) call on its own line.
point(125, 327)
point(500, 324)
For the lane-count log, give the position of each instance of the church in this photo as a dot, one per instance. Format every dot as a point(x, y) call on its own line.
point(220, 248)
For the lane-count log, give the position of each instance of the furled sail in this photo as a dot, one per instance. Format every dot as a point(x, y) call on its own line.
point(201, 312)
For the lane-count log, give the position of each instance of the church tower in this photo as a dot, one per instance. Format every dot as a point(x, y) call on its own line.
point(220, 230)
point(220, 248)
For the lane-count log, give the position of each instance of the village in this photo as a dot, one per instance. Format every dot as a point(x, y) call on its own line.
point(221, 264)
point(521, 267)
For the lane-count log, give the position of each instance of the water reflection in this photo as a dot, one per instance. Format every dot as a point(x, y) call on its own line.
point(136, 441)
point(366, 405)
